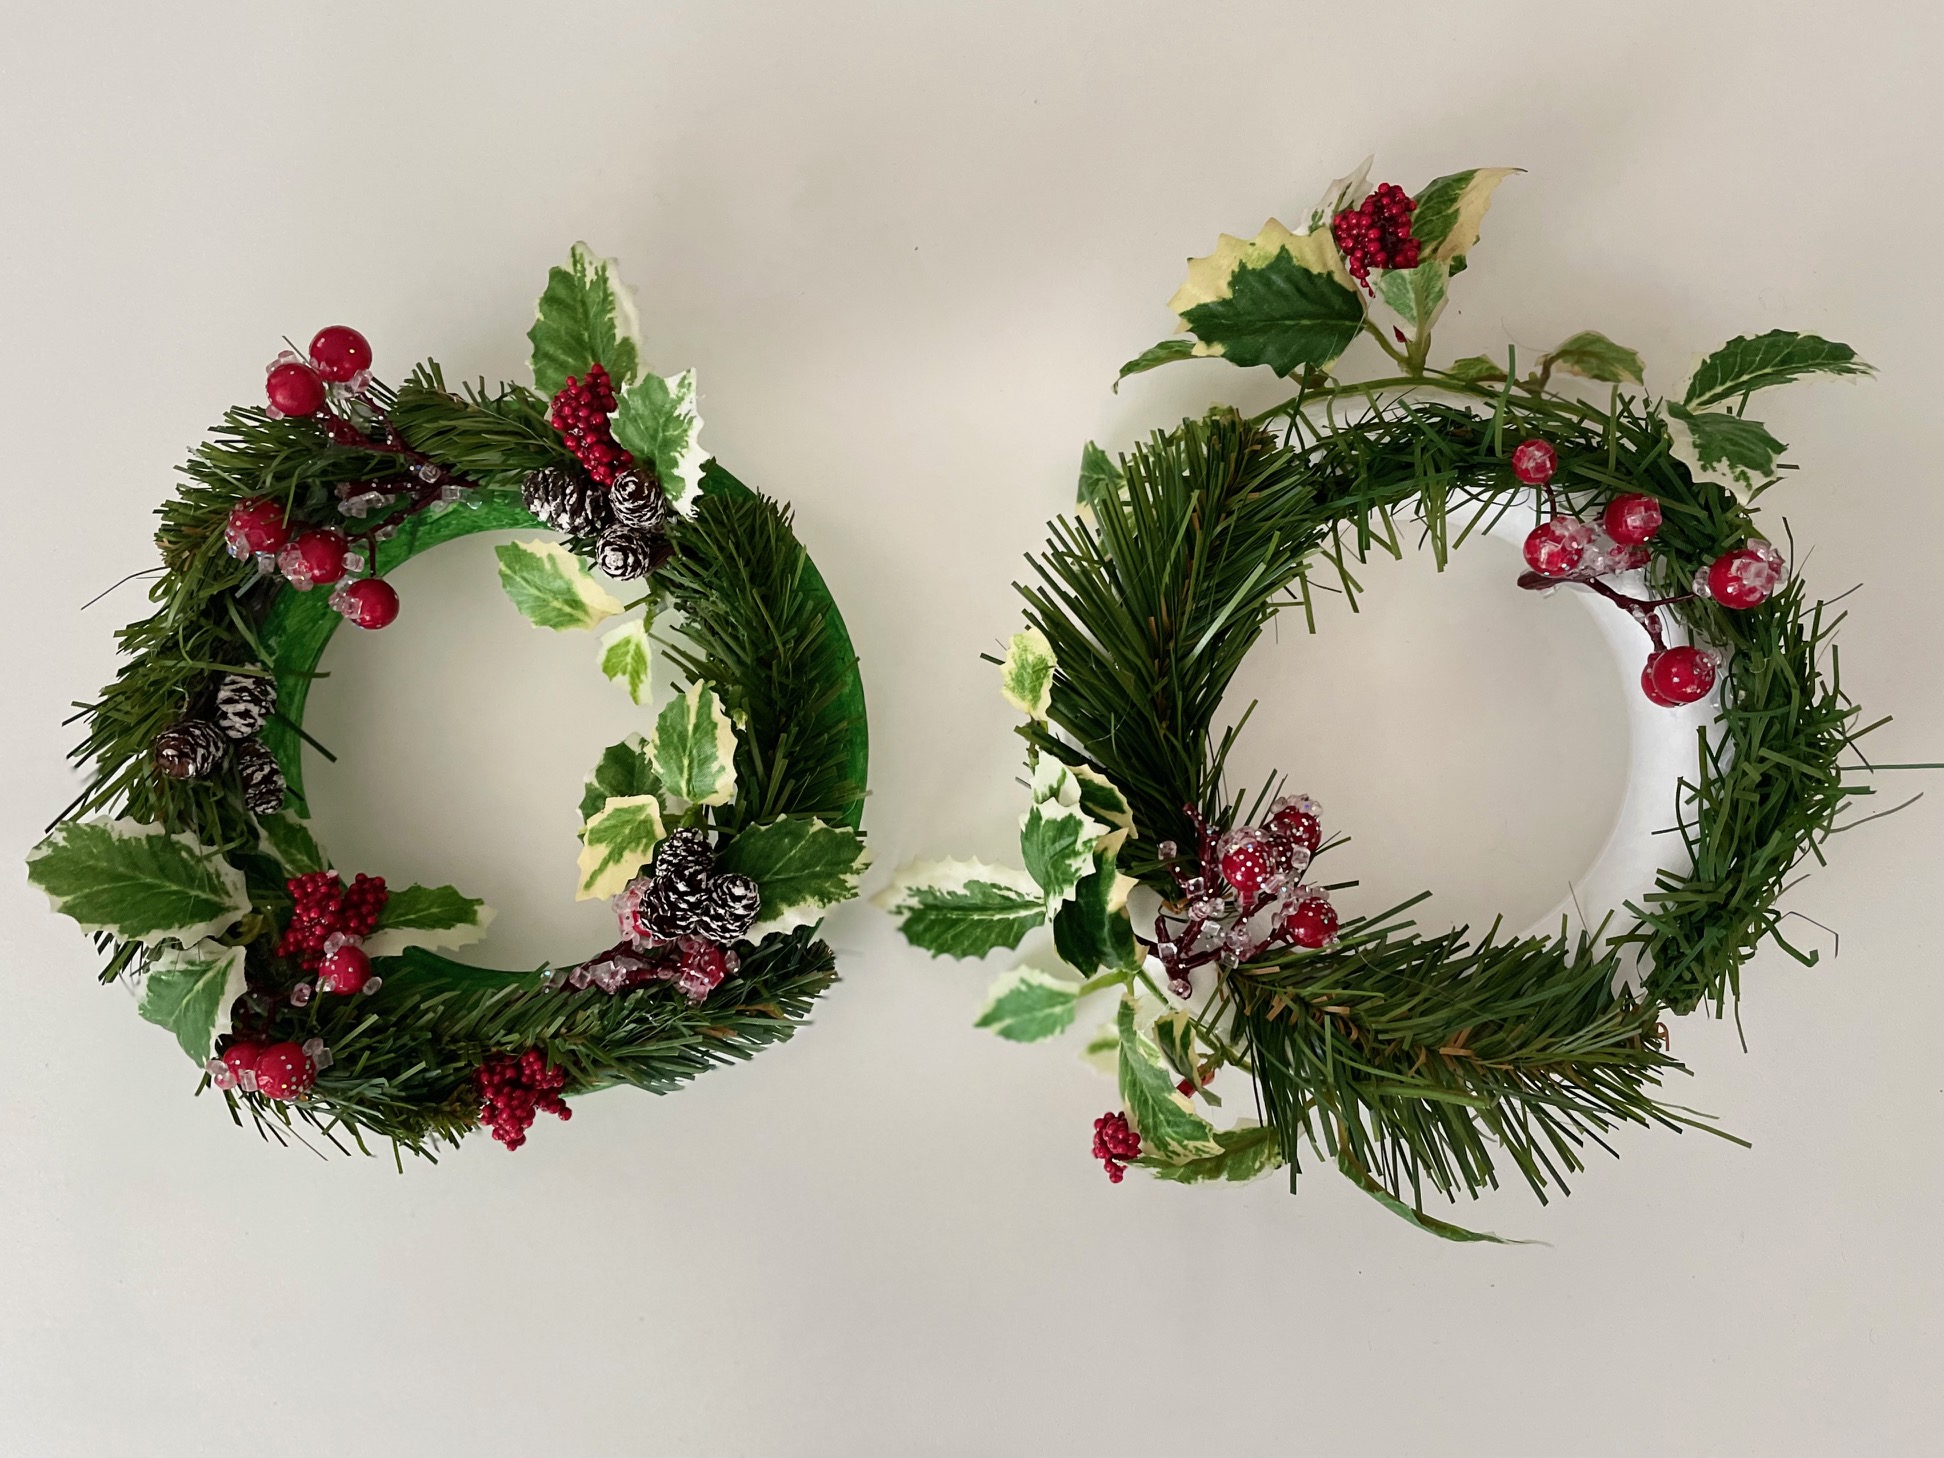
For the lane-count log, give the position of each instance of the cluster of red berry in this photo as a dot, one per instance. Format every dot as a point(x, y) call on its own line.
point(327, 920)
point(580, 413)
point(338, 354)
point(1115, 1145)
point(512, 1091)
point(282, 1071)
point(1377, 233)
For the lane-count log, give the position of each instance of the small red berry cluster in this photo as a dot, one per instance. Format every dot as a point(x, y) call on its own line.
point(339, 355)
point(281, 1071)
point(323, 908)
point(1377, 233)
point(1115, 1145)
point(513, 1090)
point(580, 413)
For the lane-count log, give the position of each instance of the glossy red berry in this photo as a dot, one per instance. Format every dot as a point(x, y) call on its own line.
point(1554, 548)
point(1310, 922)
point(1632, 519)
point(1297, 826)
point(241, 1058)
point(1248, 862)
point(317, 556)
point(1679, 676)
point(344, 971)
point(338, 352)
point(284, 1071)
point(294, 389)
point(256, 525)
point(1654, 695)
point(1534, 461)
point(370, 602)
point(1745, 577)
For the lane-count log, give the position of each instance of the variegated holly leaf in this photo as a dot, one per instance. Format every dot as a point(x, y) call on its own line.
point(1170, 1129)
point(137, 881)
point(660, 421)
point(1592, 356)
point(693, 748)
point(1026, 1005)
point(1248, 1150)
point(1451, 208)
point(1346, 192)
point(290, 842)
point(962, 908)
point(802, 865)
point(1475, 369)
point(1744, 365)
point(1101, 481)
point(1057, 843)
point(586, 315)
point(1101, 798)
point(1166, 352)
point(1280, 298)
point(1026, 677)
point(553, 587)
point(1728, 449)
point(616, 843)
point(437, 918)
point(624, 770)
point(627, 657)
point(1093, 931)
point(190, 990)
point(1101, 1052)
point(1415, 295)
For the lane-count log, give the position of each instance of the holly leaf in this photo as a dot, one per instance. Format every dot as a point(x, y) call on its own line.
point(623, 770)
point(190, 991)
point(1744, 365)
point(1101, 798)
point(437, 918)
point(1026, 1005)
point(1026, 677)
point(1727, 449)
point(660, 421)
point(1101, 481)
point(693, 749)
point(1346, 192)
point(962, 908)
point(552, 586)
point(1170, 1129)
point(802, 865)
point(616, 843)
point(290, 842)
point(1093, 930)
point(1415, 295)
point(627, 657)
point(1057, 843)
point(1280, 299)
point(1450, 210)
point(137, 881)
point(586, 316)
point(1592, 356)
point(1247, 1150)
point(1475, 369)
point(1166, 352)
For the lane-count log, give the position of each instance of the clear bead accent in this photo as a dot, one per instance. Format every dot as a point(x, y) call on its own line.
point(300, 995)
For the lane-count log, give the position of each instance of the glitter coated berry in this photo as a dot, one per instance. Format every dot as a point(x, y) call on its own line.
point(1298, 823)
point(1310, 922)
point(1554, 548)
point(1249, 863)
point(294, 389)
point(1377, 233)
point(284, 1071)
point(1632, 519)
point(256, 525)
point(370, 602)
point(337, 352)
point(1534, 461)
point(344, 971)
point(1745, 577)
point(242, 1058)
point(315, 558)
point(1677, 676)
point(1115, 1145)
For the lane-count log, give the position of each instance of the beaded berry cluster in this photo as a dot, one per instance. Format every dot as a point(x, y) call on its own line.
point(1377, 233)
point(514, 1090)
point(1115, 1144)
point(580, 413)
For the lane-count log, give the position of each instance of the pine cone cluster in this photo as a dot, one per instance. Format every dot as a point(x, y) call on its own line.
point(194, 749)
point(627, 518)
point(243, 704)
point(686, 898)
point(567, 501)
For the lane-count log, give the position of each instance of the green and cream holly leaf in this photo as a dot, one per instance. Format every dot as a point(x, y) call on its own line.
point(1101, 798)
point(1475, 369)
point(436, 918)
point(1092, 931)
point(1450, 210)
point(1026, 1005)
point(1101, 1052)
point(962, 908)
point(1057, 843)
point(1415, 295)
point(693, 748)
point(1742, 366)
point(1174, 1035)
point(616, 843)
point(803, 866)
point(553, 587)
point(1592, 356)
point(627, 657)
point(1727, 449)
point(1168, 351)
point(586, 315)
point(137, 881)
point(290, 842)
point(1346, 192)
point(1026, 677)
point(660, 421)
point(1248, 1150)
point(1100, 479)
point(1280, 298)
point(190, 990)
point(1170, 1129)
point(624, 770)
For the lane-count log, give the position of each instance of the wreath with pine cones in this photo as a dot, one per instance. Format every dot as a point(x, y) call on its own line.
point(1415, 1061)
point(720, 834)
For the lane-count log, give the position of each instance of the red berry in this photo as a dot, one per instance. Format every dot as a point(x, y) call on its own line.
point(1554, 548)
point(1115, 1145)
point(1654, 695)
point(1311, 922)
point(344, 971)
point(1248, 862)
point(702, 967)
point(256, 525)
point(294, 389)
point(284, 1071)
point(1534, 461)
point(338, 352)
point(370, 602)
point(1745, 577)
point(1680, 675)
point(317, 556)
point(1297, 826)
point(1377, 233)
point(1632, 519)
point(242, 1058)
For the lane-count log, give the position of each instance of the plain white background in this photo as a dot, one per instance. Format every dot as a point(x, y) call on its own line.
point(906, 247)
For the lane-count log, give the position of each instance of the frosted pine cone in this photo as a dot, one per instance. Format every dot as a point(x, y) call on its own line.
point(261, 776)
point(679, 890)
point(730, 909)
point(243, 704)
point(638, 499)
point(189, 749)
point(567, 501)
point(626, 553)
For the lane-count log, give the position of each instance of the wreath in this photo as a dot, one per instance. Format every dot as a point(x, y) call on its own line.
point(721, 833)
point(1416, 1061)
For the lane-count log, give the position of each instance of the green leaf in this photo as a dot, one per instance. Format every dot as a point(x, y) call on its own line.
point(434, 917)
point(1026, 677)
point(585, 316)
point(627, 657)
point(1101, 798)
point(1346, 192)
point(1026, 1005)
point(1170, 1129)
point(616, 843)
point(137, 881)
point(659, 421)
point(1174, 1035)
point(1592, 356)
point(1093, 930)
point(962, 908)
point(802, 865)
point(1248, 1150)
point(694, 748)
point(1152, 358)
point(624, 770)
point(1057, 843)
point(1280, 299)
point(1475, 369)
point(1450, 209)
point(1743, 365)
point(290, 840)
point(1416, 295)
point(1100, 479)
point(190, 991)
point(552, 586)
point(1728, 449)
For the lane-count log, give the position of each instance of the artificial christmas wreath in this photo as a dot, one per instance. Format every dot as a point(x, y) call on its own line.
point(721, 833)
point(1416, 1062)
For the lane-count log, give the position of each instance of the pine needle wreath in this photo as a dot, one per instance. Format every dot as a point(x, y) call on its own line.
point(722, 833)
point(1415, 1061)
